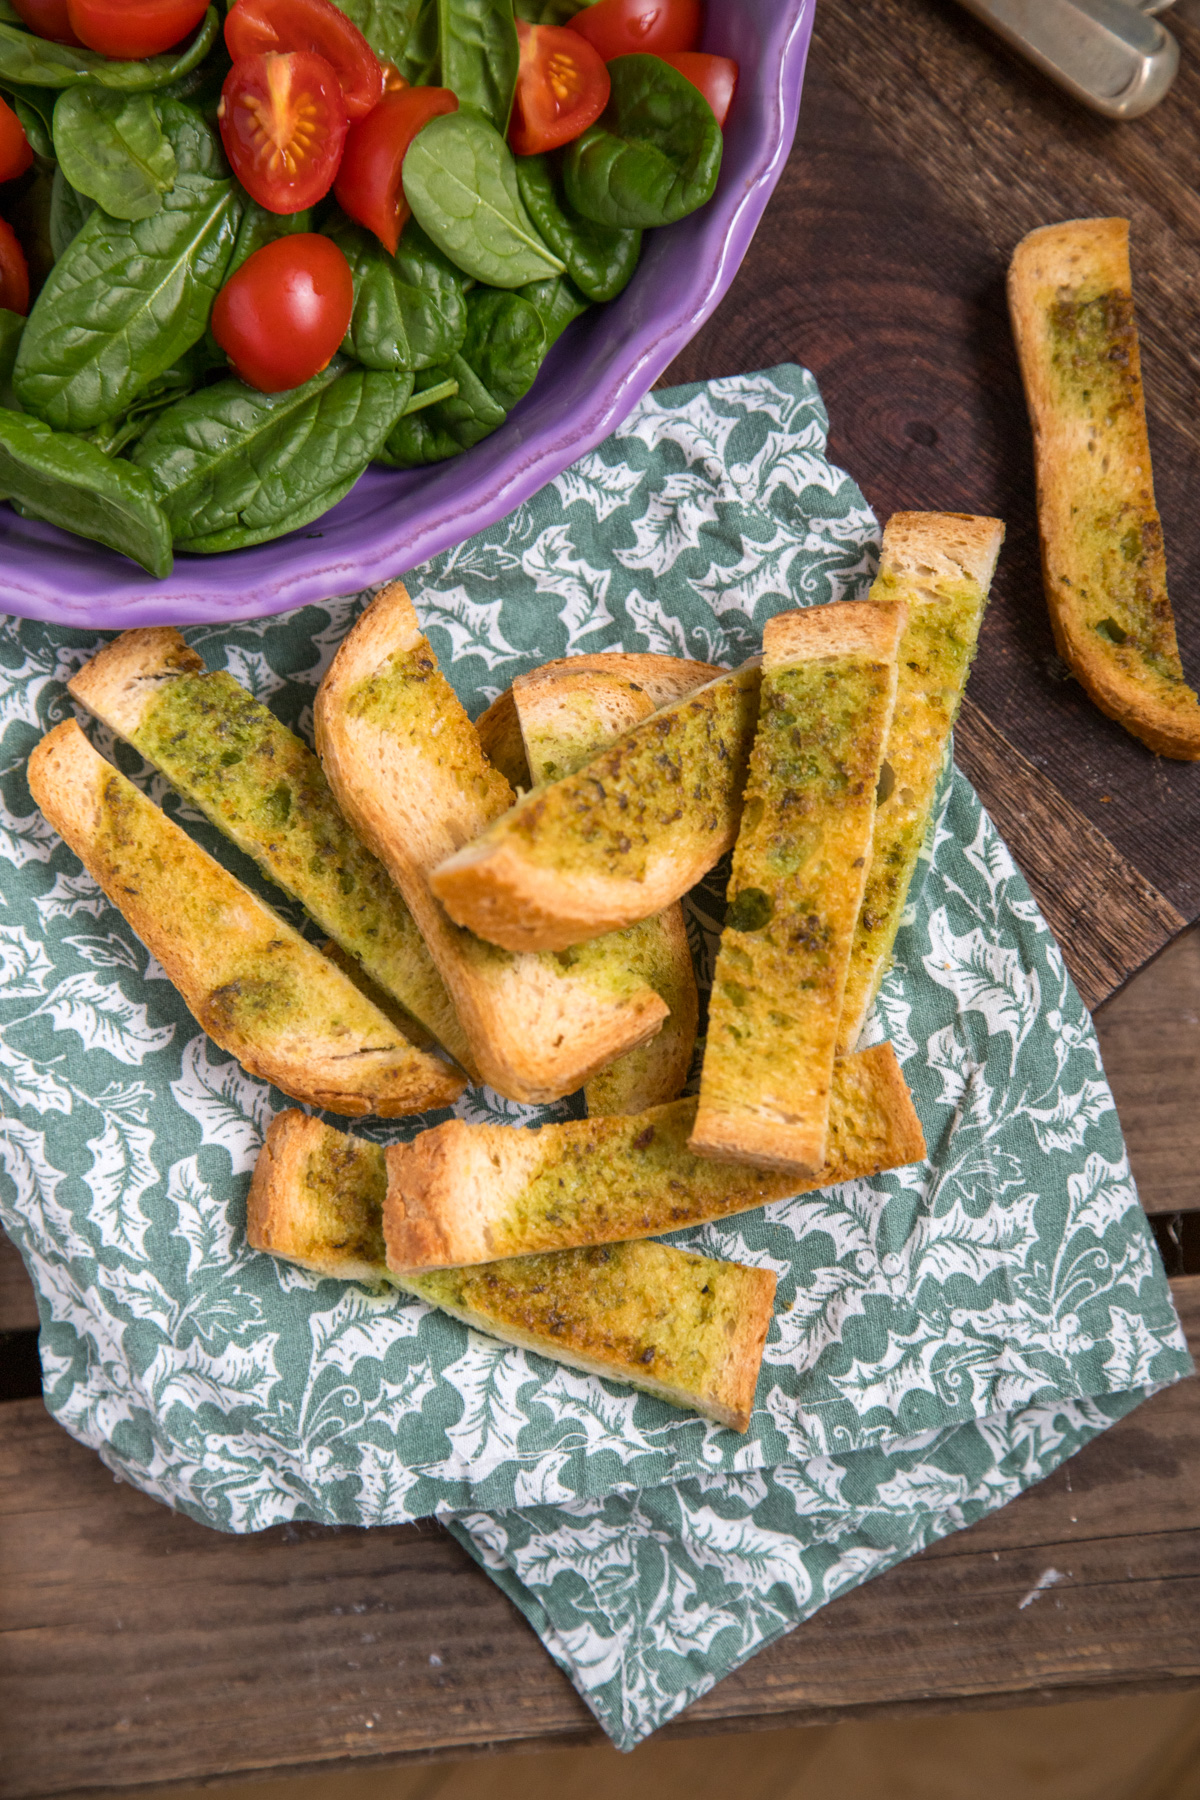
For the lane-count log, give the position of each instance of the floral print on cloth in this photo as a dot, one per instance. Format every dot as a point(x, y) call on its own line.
point(945, 1334)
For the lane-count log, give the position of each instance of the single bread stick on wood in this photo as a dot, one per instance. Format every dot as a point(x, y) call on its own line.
point(688, 1329)
point(254, 984)
point(1070, 294)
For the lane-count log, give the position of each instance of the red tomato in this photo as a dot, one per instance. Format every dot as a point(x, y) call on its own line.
point(15, 154)
point(715, 76)
point(280, 318)
point(133, 29)
point(660, 27)
point(283, 123)
point(255, 27)
point(49, 19)
point(562, 88)
point(14, 272)
point(368, 184)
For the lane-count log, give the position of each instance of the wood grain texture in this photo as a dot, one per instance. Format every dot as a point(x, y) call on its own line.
point(1106, 916)
point(924, 153)
point(137, 1647)
point(18, 1308)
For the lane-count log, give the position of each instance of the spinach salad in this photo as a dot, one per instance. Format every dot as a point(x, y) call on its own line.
point(244, 256)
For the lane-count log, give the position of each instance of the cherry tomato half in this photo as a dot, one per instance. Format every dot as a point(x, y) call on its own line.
point(283, 123)
point(659, 27)
point(562, 88)
point(715, 76)
point(14, 272)
point(255, 27)
point(280, 318)
point(368, 184)
point(15, 153)
point(49, 18)
point(133, 29)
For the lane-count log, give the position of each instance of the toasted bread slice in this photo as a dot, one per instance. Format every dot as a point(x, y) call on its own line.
point(661, 678)
point(567, 712)
point(940, 566)
point(405, 764)
point(1070, 294)
point(259, 784)
point(799, 867)
point(687, 1328)
point(255, 985)
point(470, 1193)
point(622, 838)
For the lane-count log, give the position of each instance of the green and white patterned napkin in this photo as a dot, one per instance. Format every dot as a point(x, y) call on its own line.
point(945, 1335)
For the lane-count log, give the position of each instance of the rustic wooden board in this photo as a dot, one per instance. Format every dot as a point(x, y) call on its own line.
point(923, 155)
point(137, 1647)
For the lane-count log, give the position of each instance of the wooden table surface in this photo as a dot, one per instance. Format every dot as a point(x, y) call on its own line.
point(137, 1648)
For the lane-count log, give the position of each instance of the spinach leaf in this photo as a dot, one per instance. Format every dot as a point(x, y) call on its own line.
point(654, 153)
point(71, 483)
point(127, 297)
point(421, 60)
point(409, 310)
point(443, 390)
point(28, 212)
point(69, 212)
point(35, 109)
point(387, 25)
point(549, 12)
point(36, 62)
point(9, 14)
point(11, 327)
point(259, 227)
point(505, 343)
point(111, 146)
point(436, 433)
point(558, 301)
point(460, 179)
point(480, 55)
point(600, 258)
point(232, 466)
point(114, 435)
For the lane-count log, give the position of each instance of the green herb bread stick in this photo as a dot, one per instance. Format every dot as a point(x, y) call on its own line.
point(1070, 295)
point(566, 715)
point(619, 840)
point(254, 984)
point(799, 867)
point(687, 1328)
point(259, 784)
point(940, 566)
point(407, 768)
point(470, 1193)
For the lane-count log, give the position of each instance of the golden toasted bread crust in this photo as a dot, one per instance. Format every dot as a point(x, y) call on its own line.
point(417, 789)
point(1071, 301)
point(126, 677)
point(463, 1194)
point(936, 549)
point(256, 986)
point(845, 628)
point(622, 838)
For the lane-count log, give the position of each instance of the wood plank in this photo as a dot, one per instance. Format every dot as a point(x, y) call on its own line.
point(878, 274)
point(1150, 1038)
point(1105, 914)
point(137, 1647)
point(18, 1308)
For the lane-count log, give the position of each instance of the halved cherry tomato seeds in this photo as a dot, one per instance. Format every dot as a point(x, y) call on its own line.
point(281, 317)
point(369, 185)
point(562, 88)
point(255, 27)
point(283, 124)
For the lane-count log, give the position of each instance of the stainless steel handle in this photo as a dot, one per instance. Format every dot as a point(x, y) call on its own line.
point(1110, 54)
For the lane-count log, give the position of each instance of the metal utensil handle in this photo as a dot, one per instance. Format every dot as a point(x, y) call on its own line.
point(1111, 55)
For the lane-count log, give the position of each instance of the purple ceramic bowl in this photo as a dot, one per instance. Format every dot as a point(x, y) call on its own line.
point(595, 374)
